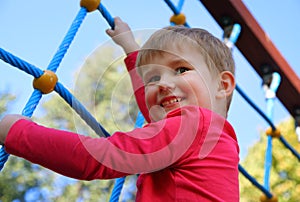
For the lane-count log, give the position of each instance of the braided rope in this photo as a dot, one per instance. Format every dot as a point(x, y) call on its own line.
point(106, 15)
point(19, 63)
point(254, 182)
point(270, 108)
point(67, 40)
point(230, 41)
point(81, 110)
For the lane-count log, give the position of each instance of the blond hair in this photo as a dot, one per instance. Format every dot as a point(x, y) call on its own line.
point(216, 54)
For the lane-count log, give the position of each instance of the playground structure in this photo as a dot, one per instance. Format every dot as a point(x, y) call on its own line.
point(257, 49)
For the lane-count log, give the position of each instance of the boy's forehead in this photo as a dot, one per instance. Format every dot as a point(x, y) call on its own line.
point(166, 55)
point(172, 54)
point(161, 60)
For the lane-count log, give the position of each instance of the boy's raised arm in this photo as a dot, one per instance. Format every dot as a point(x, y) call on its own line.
point(123, 36)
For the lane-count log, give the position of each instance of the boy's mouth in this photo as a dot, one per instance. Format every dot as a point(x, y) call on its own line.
point(169, 101)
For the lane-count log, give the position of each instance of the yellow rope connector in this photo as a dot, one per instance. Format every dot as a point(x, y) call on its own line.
point(90, 5)
point(178, 19)
point(264, 198)
point(273, 133)
point(46, 82)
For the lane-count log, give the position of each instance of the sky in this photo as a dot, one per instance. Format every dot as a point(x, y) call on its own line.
point(33, 30)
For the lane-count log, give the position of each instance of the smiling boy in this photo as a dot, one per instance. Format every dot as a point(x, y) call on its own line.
point(187, 152)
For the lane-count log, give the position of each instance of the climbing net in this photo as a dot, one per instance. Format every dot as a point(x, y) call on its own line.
point(45, 81)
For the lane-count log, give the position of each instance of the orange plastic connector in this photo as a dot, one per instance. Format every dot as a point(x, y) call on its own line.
point(46, 82)
point(273, 133)
point(264, 198)
point(90, 5)
point(178, 19)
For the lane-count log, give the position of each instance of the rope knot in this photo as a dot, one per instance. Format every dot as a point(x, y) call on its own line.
point(46, 82)
point(178, 19)
point(90, 5)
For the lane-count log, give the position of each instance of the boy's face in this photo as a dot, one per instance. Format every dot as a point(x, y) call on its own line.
point(176, 80)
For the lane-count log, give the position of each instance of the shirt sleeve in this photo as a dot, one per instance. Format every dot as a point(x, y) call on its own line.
point(143, 150)
point(137, 83)
point(57, 150)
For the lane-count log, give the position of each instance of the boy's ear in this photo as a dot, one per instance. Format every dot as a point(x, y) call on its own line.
point(226, 85)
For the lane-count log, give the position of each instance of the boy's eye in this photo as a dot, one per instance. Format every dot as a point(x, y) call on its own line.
point(154, 79)
point(181, 70)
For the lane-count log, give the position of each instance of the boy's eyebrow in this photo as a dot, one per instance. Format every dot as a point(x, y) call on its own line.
point(172, 62)
point(177, 61)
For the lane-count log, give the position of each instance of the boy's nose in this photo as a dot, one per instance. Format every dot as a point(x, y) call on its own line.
point(166, 84)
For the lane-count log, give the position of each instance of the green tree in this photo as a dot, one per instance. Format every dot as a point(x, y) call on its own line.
point(285, 173)
point(5, 102)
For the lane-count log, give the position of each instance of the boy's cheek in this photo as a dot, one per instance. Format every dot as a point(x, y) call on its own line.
point(150, 96)
point(157, 113)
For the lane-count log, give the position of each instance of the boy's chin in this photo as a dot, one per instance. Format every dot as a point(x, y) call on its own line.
point(157, 113)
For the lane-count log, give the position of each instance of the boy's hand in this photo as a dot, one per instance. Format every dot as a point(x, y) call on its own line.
point(6, 123)
point(123, 36)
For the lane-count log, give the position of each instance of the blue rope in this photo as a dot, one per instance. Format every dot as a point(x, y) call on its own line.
point(235, 33)
point(239, 90)
point(233, 36)
point(172, 7)
point(19, 63)
point(255, 107)
point(32, 103)
point(116, 192)
point(3, 157)
point(57, 58)
point(180, 5)
point(254, 182)
point(120, 181)
point(106, 15)
point(79, 108)
point(140, 120)
point(286, 144)
point(268, 163)
point(30, 69)
point(270, 109)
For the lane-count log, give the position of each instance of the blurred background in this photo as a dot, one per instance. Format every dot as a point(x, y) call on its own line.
point(33, 30)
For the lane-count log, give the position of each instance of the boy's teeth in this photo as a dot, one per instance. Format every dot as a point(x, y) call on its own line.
point(170, 101)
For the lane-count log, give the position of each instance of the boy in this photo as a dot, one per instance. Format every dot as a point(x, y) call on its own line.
point(187, 152)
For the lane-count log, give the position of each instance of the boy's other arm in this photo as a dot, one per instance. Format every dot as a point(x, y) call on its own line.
point(61, 151)
point(147, 149)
